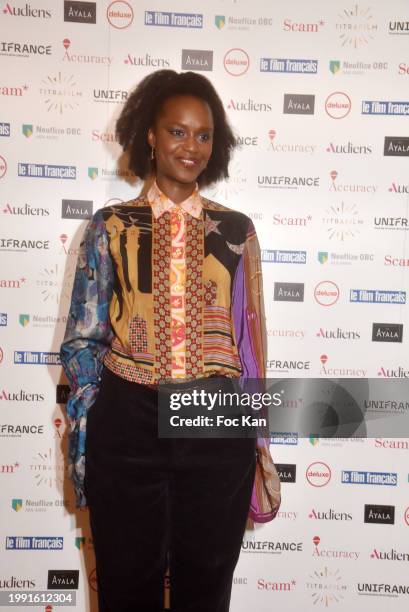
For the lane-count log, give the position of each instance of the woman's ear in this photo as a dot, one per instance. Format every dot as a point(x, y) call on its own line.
point(151, 138)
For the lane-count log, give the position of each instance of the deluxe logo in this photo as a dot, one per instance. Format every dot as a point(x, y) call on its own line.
point(332, 553)
point(349, 187)
point(293, 66)
point(80, 12)
point(60, 93)
point(389, 479)
point(34, 543)
point(301, 26)
point(338, 105)
point(25, 210)
point(286, 365)
point(326, 293)
point(236, 62)
point(382, 515)
point(287, 471)
point(266, 546)
point(12, 283)
point(287, 257)
point(287, 182)
point(3, 323)
point(329, 515)
point(356, 26)
point(337, 334)
point(289, 292)
point(196, 59)
point(62, 579)
point(398, 27)
point(27, 11)
point(17, 245)
point(8, 430)
point(3, 167)
point(173, 20)
point(387, 332)
point(46, 171)
point(355, 68)
point(36, 358)
point(398, 372)
point(379, 107)
point(284, 438)
point(397, 188)
point(15, 49)
point(377, 296)
point(115, 96)
point(249, 106)
point(396, 146)
point(4, 129)
point(120, 14)
point(342, 221)
point(20, 396)
point(288, 148)
point(318, 474)
point(81, 58)
point(13, 91)
point(147, 60)
point(76, 209)
point(392, 555)
point(298, 104)
point(349, 149)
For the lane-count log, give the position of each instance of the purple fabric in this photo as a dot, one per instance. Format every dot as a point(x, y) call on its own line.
point(241, 328)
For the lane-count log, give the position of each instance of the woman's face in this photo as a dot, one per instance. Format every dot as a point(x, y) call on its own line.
point(182, 137)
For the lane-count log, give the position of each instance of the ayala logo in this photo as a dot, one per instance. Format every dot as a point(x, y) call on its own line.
point(298, 104)
point(349, 148)
point(62, 393)
point(337, 334)
point(383, 515)
point(286, 471)
point(387, 332)
point(195, 59)
point(329, 515)
point(62, 579)
point(397, 188)
point(396, 146)
point(80, 12)
point(289, 292)
point(76, 209)
point(392, 555)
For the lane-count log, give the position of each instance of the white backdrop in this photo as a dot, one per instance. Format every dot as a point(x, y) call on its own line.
point(318, 95)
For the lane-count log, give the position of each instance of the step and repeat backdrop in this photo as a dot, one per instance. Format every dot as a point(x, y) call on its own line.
point(318, 95)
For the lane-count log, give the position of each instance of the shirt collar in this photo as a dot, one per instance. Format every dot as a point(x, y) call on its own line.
point(160, 203)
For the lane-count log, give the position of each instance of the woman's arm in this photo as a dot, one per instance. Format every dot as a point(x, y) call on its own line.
point(87, 338)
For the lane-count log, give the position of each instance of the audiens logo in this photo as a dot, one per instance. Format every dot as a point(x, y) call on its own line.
point(298, 104)
point(329, 515)
point(27, 11)
point(387, 332)
point(147, 60)
point(384, 515)
point(248, 105)
point(62, 579)
point(80, 12)
point(396, 146)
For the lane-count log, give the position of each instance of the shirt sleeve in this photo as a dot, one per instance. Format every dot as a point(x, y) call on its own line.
point(87, 338)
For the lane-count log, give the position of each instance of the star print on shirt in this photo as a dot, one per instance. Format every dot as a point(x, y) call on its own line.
point(211, 225)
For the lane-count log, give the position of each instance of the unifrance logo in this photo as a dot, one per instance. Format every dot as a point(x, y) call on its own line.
point(293, 66)
point(34, 543)
point(382, 107)
point(174, 20)
point(289, 257)
point(376, 296)
point(36, 358)
point(318, 474)
point(369, 478)
point(46, 171)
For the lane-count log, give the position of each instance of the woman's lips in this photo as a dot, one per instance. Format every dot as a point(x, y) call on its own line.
point(188, 163)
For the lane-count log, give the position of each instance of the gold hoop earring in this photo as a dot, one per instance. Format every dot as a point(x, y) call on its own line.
point(152, 153)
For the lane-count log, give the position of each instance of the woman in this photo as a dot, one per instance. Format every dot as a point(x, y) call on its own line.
point(167, 288)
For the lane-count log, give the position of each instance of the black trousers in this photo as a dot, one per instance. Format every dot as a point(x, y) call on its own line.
point(157, 502)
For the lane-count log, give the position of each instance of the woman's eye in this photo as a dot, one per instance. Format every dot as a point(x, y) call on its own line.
point(177, 132)
point(204, 137)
